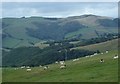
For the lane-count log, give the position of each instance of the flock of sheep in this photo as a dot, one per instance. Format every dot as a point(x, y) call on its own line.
point(62, 63)
point(28, 69)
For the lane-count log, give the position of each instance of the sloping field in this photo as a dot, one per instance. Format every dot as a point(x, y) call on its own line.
point(84, 70)
point(108, 45)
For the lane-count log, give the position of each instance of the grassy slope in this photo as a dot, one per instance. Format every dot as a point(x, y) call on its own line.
point(109, 45)
point(17, 29)
point(88, 33)
point(84, 70)
point(93, 25)
point(41, 45)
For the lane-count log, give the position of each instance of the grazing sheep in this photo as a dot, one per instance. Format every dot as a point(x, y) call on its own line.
point(87, 56)
point(62, 62)
point(40, 65)
point(75, 59)
point(101, 60)
point(106, 51)
point(95, 54)
point(56, 62)
point(16, 68)
point(28, 67)
point(22, 67)
point(101, 53)
point(115, 57)
point(46, 67)
point(63, 67)
point(92, 55)
point(28, 70)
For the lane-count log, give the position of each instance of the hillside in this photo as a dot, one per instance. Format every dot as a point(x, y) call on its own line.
point(103, 46)
point(35, 56)
point(83, 70)
point(28, 31)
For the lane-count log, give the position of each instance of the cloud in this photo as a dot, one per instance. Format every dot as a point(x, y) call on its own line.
point(18, 12)
point(59, 9)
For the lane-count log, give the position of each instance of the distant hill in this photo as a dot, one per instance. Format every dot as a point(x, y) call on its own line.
point(29, 31)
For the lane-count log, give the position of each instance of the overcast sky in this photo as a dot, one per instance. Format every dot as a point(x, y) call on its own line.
point(60, 0)
point(58, 9)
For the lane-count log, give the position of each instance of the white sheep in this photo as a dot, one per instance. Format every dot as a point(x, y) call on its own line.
point(46, 67)
point(115, 57)
point(16, 68)
point(87, 56)
point(106, 51)
point(40, 65)
point(92, 55)
point(56, 62)
point(95, 54)
point(63, 67)
point(62, 62)
point(28, 67)
point(28, 70)
point(101, 60)
point(22, 67)
point(74, 60)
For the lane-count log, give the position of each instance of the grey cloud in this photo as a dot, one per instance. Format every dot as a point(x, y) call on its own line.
point(63, 9)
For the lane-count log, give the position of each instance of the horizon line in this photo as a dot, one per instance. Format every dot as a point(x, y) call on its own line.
point(57, 16)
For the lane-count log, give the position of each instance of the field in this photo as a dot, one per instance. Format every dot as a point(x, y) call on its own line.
point(83, 70)
point(0, 74)
point(108, 45)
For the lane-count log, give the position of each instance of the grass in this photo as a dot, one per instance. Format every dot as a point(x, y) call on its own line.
point(84, 70)
point(17, 29)
point(0, 74)
point(42, 44)
point(84, 33)
point(88, 33)
point(108, 45)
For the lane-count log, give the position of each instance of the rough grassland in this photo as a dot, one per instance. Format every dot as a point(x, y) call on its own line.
point(84, 70)
point(108, 45)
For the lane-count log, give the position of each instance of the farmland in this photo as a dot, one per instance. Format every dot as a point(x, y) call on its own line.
point(83, 70)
